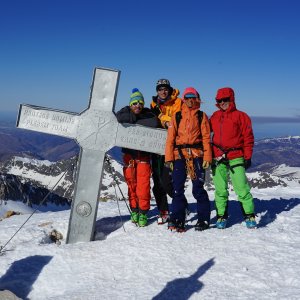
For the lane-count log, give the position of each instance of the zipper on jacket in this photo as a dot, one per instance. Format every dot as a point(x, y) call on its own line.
point(221, 132)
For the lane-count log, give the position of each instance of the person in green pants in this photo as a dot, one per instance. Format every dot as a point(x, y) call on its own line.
point(232, 142)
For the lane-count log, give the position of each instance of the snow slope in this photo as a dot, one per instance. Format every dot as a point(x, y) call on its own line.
point(127, 262)
point(152, 262)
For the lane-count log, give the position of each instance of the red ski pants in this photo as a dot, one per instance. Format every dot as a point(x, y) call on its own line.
point(137, 174)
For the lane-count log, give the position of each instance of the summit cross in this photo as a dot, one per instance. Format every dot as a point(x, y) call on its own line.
point(96, 130)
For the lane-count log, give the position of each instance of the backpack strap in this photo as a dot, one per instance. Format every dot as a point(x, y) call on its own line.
point(200, 117)
point(178, 117)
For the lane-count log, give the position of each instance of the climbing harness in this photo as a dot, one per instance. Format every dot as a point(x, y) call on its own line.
point(189, 162)
point(189, 165)
point(223, 159)
point(132, 167)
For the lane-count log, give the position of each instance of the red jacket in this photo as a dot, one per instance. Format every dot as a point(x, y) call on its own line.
point(231, 129)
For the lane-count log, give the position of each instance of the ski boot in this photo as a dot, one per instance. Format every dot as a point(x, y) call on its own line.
point(163, 217)
point(172, 225)
point(180, 226)
point(142, 220)
point(201, 225)
point(221, 223)
point(250, 221)
point(134, 217)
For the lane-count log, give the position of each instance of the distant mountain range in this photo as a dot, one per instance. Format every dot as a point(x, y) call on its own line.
point(14, 141)
point(31, 162)
point(269, 153)
point(25, 143)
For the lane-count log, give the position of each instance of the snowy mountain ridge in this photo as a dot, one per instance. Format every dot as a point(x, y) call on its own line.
point(279, 139)
point(20, 175)
point(284, 180)
point(286, 171)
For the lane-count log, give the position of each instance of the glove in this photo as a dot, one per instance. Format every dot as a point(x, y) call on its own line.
point(247, 163)
point(205, 164)
point(169, 165)
point(166, 180)
point(156, 110)
point(166, 125)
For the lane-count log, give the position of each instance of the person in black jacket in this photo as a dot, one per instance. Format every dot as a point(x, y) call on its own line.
point(137, 167)
point(164, 105)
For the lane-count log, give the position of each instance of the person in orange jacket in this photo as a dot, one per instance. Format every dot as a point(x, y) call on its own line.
point(164, 105)
point(137, 167)
point(188, 150)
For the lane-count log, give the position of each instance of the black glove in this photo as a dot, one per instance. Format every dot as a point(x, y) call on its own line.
point(167, 179)
point(169, 165)
point(247, 163)
point(156, 110)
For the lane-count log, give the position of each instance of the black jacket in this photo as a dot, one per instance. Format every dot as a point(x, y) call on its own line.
point(145, 118)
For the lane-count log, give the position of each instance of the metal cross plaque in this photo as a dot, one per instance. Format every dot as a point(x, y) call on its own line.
point(96, 130)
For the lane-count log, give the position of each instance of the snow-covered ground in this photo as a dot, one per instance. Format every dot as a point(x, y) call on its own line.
point(127, 262)
point(153, 263)
point(284, 170)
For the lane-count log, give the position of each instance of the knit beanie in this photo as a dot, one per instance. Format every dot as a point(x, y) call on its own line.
point(136, 96)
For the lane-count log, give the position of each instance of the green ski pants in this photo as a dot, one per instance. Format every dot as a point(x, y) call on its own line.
point(221, 172)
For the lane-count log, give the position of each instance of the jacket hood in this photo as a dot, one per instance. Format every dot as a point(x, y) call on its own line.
point(226, 92)
point(174, 95)
point(190, 90)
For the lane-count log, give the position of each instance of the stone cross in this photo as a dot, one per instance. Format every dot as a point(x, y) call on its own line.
point(96, 130)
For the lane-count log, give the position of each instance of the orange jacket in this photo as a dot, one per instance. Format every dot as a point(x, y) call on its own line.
point(189, 132)
point(169, 108)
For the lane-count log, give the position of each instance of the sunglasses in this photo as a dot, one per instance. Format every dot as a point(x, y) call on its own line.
point(187, 98)
point(225, 100)
point(137, 102)
point(163, 89)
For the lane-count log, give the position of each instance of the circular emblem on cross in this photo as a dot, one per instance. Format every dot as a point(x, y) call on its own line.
point(83, 209)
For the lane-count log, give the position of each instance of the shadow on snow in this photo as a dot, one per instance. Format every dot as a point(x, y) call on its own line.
point(107, 225)
point(184, 288)
point(267, 209)
point(22, 274)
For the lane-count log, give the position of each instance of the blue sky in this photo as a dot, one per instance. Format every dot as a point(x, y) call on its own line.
point(49, 50)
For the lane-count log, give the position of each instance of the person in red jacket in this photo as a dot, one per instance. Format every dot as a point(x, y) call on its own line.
point(232, 142)
point(188, 149)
